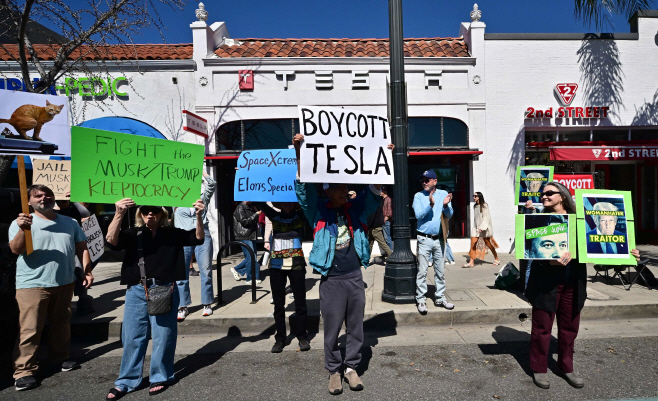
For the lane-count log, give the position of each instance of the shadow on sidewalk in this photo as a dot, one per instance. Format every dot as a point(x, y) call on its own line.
point(215, 350)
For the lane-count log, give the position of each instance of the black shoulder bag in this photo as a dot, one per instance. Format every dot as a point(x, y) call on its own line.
point(158, 297)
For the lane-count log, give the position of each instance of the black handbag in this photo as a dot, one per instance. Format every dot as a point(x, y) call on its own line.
point(159, 298)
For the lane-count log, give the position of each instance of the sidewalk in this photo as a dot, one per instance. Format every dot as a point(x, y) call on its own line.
point(476, 301)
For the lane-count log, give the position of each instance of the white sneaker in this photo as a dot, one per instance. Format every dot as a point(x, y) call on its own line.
point(236, 276)
point(451, 263)
point(182, 314)
point(258, 281)
point(207, 310)
point(444, 304)
point(248, 282)
point(422, 308)
point(271, 300)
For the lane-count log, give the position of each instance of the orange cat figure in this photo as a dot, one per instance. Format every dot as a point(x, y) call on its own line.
point(29, 117)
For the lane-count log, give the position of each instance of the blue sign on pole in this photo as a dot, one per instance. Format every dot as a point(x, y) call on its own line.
point(266, 176)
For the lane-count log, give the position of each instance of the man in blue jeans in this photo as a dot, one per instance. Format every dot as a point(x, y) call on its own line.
point(185, 218)
point(433, 210)
point(245, 228)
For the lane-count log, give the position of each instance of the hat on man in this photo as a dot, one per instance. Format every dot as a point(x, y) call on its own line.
point(429, 174)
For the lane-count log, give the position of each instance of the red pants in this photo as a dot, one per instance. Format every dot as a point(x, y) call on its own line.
point(568, 321)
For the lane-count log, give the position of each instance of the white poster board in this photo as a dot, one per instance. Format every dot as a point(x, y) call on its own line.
point(344, 146)
point(95, 241)
point(34, 124)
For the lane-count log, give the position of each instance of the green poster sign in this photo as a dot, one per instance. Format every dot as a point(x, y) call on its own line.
point(530, 183)
point(545, 236)
point(606, 227)
point(109, 166)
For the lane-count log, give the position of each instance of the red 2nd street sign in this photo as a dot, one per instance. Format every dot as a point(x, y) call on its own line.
point(566, 92)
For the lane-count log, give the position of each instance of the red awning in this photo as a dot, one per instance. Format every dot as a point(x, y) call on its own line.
point(604, 153)
point(447, 153)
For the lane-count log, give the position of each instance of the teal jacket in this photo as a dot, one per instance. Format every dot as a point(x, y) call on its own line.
point(322, 217)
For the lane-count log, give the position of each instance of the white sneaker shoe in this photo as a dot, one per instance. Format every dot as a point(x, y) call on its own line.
point(450, 263)
point(271, 300)
point(259, 281)
point(236, 276)
point(182, 314)
point(422, 308)
point(207, 310)
point(248, 282)
point(444, 304)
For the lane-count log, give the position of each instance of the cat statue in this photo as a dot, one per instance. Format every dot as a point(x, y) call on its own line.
point(28, 116)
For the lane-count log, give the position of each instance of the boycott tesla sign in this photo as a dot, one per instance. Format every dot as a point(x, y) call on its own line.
point(344, 146)
point(566, 93)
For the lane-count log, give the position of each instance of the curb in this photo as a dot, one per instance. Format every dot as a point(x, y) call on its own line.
point(373, 321)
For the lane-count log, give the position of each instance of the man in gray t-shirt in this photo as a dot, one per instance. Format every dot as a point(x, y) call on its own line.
point(44, 282)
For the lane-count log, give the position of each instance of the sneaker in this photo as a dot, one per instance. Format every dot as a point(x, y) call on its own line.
point(335, 384)
point(194, 273)
point(277, 347)
point(182, 314)
point(445, 304)
point(450, 263)
point(248, 282)
point(68, 366)
point(271, 300)
point(259, 281)
point(207, 310)
point(236, 275)
point(304, 345)
point(422, 308)
point(353, 380)
point(26, 383)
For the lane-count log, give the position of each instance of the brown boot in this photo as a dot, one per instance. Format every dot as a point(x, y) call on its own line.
point(335, 384)
point(354, 381)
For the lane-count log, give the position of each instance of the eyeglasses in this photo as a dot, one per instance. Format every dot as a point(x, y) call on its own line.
point(150, 209)
point(549, 193)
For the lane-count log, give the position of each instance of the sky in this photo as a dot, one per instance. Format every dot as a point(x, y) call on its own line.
point(368, 18)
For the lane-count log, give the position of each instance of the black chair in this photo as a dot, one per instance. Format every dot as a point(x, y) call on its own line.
point(619, 270)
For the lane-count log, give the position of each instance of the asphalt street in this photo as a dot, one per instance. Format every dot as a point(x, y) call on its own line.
point(238, 367)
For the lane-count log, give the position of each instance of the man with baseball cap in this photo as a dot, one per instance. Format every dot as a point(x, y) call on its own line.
point(433, 210)
point(340, 248)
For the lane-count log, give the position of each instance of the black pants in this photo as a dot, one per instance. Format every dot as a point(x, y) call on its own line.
point(278, 284)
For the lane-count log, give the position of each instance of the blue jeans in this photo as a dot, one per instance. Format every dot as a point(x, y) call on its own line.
point(138, 326)
point(387, 234)
point(449, 256)
point(245, 266)
point(204, 260)
point(427, 250)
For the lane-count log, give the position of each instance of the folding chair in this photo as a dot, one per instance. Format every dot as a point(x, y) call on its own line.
point(639, 270)
point(603, 269)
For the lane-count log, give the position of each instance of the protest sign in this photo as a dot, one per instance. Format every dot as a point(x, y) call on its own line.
point(266, 176)
point(55, 174)
point(34, 124)
point(545, 236)
point(606, 230)
point(530, 182)
point(95, 242)
point(109, 166)
point(344, 146)
point(575, 181)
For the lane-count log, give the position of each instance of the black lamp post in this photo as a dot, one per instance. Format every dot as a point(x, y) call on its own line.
point(400, 274)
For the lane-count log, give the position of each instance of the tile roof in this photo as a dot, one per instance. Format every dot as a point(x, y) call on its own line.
point(111, 52)
point(415, 47)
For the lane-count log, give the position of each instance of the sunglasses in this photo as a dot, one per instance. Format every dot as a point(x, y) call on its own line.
point(425, 180)
point(150, 209)
point(475, 196)
point(549, 193)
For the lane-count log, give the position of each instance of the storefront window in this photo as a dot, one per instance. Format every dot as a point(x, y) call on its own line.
point(574, 136)
point(437, 132)
point(644, 134)
point(610, 135)
point(540, 136)
point(229, 136)
point(267, 134)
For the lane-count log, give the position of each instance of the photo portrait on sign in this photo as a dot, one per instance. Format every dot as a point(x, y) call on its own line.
point(546, 236)
point(530, 183)
point(605, 222)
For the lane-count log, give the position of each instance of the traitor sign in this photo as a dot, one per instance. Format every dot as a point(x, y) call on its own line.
point(55, 174)
point(266, 176)
point(95, 242)
point(344, 146)
point(108, 166)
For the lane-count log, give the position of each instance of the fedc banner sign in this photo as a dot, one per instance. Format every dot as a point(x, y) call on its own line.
point(344, 146)
point(109, 166)
point(266, 176)
point(95, 242)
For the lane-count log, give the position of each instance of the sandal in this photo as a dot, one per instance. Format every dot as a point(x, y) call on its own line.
point(116, 393)
point(496, 262)
point(468, 265)
point(156, 392)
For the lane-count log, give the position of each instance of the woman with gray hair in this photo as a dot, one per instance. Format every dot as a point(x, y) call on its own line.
point(160, 246)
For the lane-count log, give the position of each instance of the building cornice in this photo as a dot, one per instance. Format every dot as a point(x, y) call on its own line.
point(561, 36)
point(125, 65)
point(282, 61)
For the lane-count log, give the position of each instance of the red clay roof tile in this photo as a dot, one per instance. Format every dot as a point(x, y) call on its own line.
point(111, 52)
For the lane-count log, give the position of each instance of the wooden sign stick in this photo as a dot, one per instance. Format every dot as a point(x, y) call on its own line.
point(24, 203)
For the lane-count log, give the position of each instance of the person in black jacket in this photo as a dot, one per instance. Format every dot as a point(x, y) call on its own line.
point(245, 228)
point(9, 317)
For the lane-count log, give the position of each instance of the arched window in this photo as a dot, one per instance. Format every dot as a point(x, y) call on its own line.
point(437, 132)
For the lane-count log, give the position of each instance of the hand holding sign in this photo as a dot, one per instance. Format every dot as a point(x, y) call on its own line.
point(198, 208)
point(123, 205)
point(341, 145)
point(24, 221)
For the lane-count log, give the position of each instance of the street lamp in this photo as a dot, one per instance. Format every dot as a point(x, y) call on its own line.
point(400, 273)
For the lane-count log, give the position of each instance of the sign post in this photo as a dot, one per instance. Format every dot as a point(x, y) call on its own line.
point(24, 201)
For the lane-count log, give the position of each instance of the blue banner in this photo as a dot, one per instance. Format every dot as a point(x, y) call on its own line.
point(266, 176)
